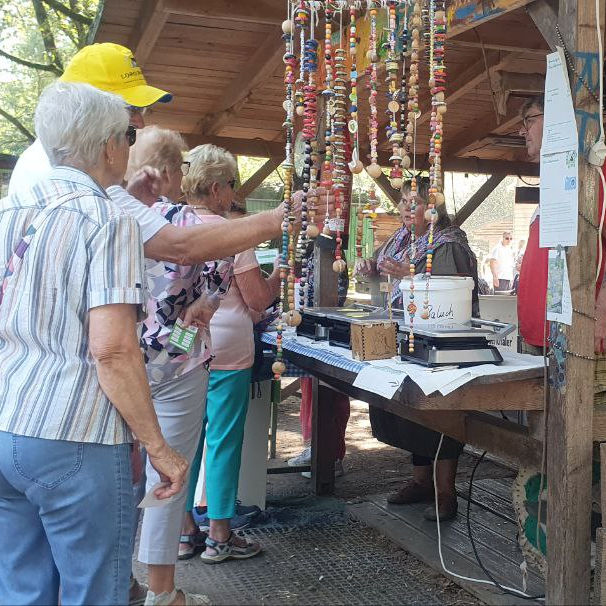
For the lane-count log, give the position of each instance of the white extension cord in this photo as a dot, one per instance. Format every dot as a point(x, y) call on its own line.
point(454, 574)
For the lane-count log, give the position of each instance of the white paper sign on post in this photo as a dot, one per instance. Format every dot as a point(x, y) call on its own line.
point(559, 199)
point(559, 121)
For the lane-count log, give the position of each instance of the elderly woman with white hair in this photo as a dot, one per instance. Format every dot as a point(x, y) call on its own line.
point(208, 182)
point(72, 380)
point(178, 374)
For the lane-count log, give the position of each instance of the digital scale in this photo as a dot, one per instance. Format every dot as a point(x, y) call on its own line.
point(455, 344)
point(435, 345)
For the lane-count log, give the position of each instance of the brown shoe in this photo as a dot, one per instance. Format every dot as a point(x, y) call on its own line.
point(411, 492)
point(447, 509)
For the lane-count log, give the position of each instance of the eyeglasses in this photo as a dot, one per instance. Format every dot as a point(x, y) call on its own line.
point(185, 167)
point(507, 238)
point(131, 135)
point(232, 183)
point(526, 120)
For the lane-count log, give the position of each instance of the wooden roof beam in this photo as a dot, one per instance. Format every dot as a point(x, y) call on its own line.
point(478, 197)
point(385, 186)
point(523, 50)
point(253, 73)
point(259, 11)
point(479, 166)
point(145, 35)
point(544, 14)
point(257, 178)
point(257, 148)
point(462, 142)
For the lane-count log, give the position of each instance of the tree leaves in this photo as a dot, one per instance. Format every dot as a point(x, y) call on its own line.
point(37, 39)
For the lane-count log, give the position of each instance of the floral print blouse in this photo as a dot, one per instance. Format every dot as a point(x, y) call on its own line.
point(172, 288)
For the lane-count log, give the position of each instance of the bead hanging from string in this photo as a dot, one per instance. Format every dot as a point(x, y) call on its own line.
point(393, 105)
point(355, 165)
point(373, 169)
point(437, 87)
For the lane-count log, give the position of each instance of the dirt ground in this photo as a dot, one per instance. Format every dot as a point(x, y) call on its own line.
point(370, 466)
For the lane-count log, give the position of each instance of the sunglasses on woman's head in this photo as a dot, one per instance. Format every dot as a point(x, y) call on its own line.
point(131, 135)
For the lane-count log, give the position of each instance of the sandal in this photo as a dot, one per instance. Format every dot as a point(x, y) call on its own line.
point(226, 550)
point(166, 598)
point(190, 544)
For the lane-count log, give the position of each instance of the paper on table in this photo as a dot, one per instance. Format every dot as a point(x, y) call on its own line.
point(559, 199)
point(380, 380)
point(559, 122)
point(559, 299)
point(150, 499)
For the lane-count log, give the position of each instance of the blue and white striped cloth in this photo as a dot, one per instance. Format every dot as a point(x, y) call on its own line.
point(302, 345)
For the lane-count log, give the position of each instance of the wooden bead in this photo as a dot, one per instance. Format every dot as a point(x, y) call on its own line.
point(374, 170)
point(288, 27)
point(293, 318)
point(312, 231)
point(278, 368)
point(356, 167)
point(339, 266)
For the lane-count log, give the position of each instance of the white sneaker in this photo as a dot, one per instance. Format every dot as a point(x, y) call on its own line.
point(165, 598)
point(339, 470)
point(303, 458)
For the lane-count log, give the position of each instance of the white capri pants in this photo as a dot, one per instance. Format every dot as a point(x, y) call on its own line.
point(180, 405)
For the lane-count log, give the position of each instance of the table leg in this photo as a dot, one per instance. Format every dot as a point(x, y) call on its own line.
point(323, 443)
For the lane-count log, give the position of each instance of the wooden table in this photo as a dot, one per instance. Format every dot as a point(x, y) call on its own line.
point(461, 414)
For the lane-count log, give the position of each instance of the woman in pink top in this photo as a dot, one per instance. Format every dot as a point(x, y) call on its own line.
point(207, 167)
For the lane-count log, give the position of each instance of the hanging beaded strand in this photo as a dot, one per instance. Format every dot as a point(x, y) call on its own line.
point(328, 94)
point(437, 86)
point(309, 129)
point(411, 133)
point(355, 165)
point(340, 163)
point(373, 169)
point(278, 367)
point(405, 159)
point(393, 105)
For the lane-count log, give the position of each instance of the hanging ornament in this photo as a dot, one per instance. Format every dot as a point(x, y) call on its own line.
point(393, 104)
point(373, 169)
point(437, 87)
point(355, 165)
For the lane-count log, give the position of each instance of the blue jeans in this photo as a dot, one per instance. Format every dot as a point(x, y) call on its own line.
point(66, 510)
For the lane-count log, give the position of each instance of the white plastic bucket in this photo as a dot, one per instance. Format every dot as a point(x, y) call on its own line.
point(449, 299)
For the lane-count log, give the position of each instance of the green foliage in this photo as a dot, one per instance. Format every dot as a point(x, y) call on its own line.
point(37, 39)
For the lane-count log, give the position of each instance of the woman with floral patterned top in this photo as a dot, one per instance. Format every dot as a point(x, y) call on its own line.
point(178, 376)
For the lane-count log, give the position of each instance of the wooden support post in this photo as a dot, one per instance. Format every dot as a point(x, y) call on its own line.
point(472, 204)
point(323, 445)
point(545, 17)
point(385, 186)
point(570, 412)
point(249, 186)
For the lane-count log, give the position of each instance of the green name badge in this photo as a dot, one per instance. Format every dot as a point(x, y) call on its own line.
point(183, 337)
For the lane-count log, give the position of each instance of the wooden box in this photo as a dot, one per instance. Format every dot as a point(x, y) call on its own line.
point(373, 339)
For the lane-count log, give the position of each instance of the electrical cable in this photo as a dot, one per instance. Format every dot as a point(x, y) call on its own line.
point(473, 543)
point(509, 590)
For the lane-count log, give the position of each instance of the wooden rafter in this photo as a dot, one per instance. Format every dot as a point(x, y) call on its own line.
point(478, 197)
point(472, 77)
point(545, 17)
point(513, 5)
point(464, 139)
point(257, 148)
point(259, 11)
point(506, 48)
point(145, 35)
point(385, 186)
point(254, 72)
point(257, 178)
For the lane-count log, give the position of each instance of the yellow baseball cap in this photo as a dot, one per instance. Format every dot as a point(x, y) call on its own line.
point(112, 68)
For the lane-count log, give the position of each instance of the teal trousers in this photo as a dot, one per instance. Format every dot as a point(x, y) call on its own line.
point(223, 431)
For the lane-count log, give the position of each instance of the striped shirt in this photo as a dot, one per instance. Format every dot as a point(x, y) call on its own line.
point(87, 253)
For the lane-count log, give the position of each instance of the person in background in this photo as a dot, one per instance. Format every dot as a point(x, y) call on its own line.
point(69, 303)
point(208, 182)
point(341, 405)
point(178, 378)
point(502, 264)
point(113, 68)
point(451, 256)
point(532, 289)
